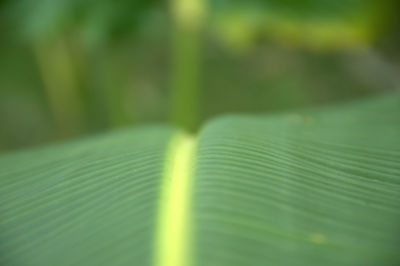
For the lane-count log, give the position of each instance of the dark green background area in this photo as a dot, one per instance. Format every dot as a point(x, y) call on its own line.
point(120, 56)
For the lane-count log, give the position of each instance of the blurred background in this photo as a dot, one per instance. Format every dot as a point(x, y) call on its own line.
point(77, 67)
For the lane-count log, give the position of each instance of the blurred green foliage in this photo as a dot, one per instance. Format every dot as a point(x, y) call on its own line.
point(94, 20)
point(319, 24)
point(75, 67)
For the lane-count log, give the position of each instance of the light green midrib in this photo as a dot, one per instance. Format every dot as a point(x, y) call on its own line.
point(172, 243)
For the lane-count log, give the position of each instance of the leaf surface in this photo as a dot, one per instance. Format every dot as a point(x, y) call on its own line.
point(316, 187)
point(320, 187)
point(91, 202)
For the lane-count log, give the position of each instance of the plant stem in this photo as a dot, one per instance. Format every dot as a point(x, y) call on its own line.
point(188, 21)
point(61, 85)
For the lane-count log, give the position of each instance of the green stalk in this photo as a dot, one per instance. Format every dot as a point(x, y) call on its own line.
point(188, 20)
point(61, 86)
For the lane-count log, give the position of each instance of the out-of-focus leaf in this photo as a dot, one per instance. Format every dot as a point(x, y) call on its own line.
point(312, 23)
point(94, 20)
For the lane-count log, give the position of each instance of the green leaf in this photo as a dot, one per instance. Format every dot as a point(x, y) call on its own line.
point(92, 202)
point(96, 21)
point(320, 187)
point(317, 24)
point(315, 187)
